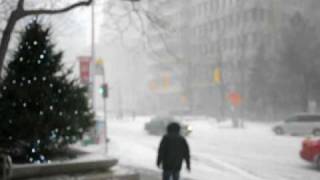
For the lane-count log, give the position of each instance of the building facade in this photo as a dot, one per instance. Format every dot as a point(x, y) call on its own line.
point(196, 38)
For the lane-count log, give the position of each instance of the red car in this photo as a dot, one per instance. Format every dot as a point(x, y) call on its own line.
point(311, 151)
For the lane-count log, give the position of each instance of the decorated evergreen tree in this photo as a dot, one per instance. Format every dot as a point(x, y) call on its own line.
point(40, 105)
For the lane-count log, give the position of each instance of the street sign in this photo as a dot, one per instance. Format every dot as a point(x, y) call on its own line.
point(99, 67)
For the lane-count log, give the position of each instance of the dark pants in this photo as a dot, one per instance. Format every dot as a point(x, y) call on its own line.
point(170, 175)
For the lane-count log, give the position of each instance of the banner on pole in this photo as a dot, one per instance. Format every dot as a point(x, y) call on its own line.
point(85, 69)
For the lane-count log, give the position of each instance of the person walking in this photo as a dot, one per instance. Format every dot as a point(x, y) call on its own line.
point(173, 149)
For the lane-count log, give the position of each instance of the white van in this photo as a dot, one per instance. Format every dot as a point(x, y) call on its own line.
point(303, 124)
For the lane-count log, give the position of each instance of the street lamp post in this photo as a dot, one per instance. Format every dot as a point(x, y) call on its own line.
point(93, 63)
point(93, 74)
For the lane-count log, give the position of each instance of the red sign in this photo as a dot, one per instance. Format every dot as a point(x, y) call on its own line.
point(235, 98)
point(85, 69)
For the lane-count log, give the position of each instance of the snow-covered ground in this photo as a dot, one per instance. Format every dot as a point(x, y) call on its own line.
point(218, 151)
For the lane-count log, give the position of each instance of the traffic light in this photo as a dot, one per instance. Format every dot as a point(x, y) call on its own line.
point(217, 75)
point(103, 90)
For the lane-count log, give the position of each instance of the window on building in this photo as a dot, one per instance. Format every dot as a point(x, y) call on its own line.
point(203, 9)
point(207, 28)
point(231, 44)
point(211, 26)
point(261, 15)
point(199, 31)
point(197, 10)
point(222, 4)
point(232, 3)
point(207, 7)
point(218, 24)
point(255, 14)
point(202, 27)
point(223, 24)
point(233, 20)
point(205, 48)
point(213, 6)
point(248, 16)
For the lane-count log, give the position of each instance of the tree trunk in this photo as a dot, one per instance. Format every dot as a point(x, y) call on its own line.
point(6, 36)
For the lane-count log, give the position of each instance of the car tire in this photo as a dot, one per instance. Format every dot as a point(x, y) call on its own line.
point(316, 132)
point(317, 163)
point(279, 130)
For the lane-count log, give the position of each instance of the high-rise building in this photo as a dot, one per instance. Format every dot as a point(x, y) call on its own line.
point(191, 39)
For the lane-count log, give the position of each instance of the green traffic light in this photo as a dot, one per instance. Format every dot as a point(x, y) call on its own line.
point(101, 90)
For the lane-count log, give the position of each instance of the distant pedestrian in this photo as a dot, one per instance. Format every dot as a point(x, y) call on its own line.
point(5, 166)
point(172, 151)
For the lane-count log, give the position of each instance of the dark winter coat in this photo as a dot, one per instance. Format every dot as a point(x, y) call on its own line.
point(172, 151)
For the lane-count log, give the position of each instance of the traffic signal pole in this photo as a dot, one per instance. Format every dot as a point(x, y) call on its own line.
point(104, 91)
point(105, 111)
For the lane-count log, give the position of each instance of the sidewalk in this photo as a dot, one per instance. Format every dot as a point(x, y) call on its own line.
point(146, 174)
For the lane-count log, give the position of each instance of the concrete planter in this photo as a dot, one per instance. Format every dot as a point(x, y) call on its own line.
point(42, 170)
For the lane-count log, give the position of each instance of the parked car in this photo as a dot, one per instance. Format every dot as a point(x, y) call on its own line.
point(311, 151)
point(158, 125)
point(303, 124)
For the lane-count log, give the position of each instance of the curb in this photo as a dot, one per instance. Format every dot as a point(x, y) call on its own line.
point(116, 174)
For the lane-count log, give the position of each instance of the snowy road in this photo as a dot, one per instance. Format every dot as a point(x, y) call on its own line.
point(218, 152)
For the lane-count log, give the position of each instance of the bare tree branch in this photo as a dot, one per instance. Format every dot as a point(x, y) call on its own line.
point(20, 5)
point(19, 13)
point(56, 11)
